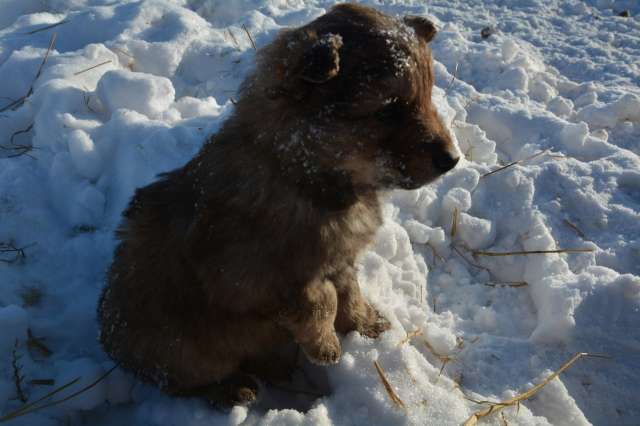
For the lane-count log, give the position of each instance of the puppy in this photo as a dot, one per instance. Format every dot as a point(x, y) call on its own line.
point(252, 244)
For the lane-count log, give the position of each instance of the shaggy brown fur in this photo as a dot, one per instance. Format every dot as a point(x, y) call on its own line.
point(252, 244)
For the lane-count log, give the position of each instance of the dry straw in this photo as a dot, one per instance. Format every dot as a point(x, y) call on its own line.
point(93, 67)
point(392, 393)
point(526, 252)
point(444, 359)
point(47, 27)
point(410, 335)
point(454, 222)
point(513, 284)
point(495, 407)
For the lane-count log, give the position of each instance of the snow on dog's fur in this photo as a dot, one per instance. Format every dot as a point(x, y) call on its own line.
point(252, 244)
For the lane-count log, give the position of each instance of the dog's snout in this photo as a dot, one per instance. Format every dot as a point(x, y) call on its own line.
point(445, 161)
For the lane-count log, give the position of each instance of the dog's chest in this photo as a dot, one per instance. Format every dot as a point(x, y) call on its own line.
point(346, 234)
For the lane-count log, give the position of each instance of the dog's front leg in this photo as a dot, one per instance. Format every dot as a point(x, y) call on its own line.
point(310, 318)
point(354, 312)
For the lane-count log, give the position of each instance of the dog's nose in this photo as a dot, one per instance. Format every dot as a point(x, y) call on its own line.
point(445, 161)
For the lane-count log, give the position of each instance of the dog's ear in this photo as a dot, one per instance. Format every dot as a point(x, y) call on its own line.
point(321, 61)
point(424, 28)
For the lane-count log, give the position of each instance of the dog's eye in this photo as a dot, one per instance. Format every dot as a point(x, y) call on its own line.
point(391, 110)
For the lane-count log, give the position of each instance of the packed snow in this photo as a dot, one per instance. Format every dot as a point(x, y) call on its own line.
point(131, 89)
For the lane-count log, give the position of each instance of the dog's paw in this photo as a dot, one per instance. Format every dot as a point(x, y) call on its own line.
point(239, 389)
point(375, 326)
point(325, 351)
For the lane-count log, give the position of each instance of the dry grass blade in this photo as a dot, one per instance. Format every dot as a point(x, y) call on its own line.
point(454, 222)
point(52, 43)
point(18, 102)
point(513, 284)
point(30, 408)
point(514, 163)
point(525, 252)
point(453, 78)
point(503, 420)
point(253, 44)
point(26, 408)
point(575, 228)
point(495, 407)
point(392, 393)
point(42, 382)
point(93, 67)
point(233, 37)
point(47, 27)
point(125, 53)
point(444, 359)
point(410, 335)
point(436, 255)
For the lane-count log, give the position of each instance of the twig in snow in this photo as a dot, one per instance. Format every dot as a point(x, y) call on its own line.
point(524, 253)
point(387, 386)
point(19, 132)
point(514, 163)
point(93, 67)
point(495, 407)
point(47, 27)
point(17, 369)
point(18, 102)
point(244, 27)
point(18, 149)
point(13, 254)
point(86, 97)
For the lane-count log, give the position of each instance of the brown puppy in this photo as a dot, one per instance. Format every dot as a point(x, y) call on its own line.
point(252, 244)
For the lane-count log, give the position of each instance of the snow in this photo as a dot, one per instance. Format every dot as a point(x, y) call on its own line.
point(557, 78)
point(153, 94)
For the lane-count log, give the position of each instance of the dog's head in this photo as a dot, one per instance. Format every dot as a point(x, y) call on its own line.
point(352, 89)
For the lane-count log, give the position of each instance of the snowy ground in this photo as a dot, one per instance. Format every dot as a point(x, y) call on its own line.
point(557, 77)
